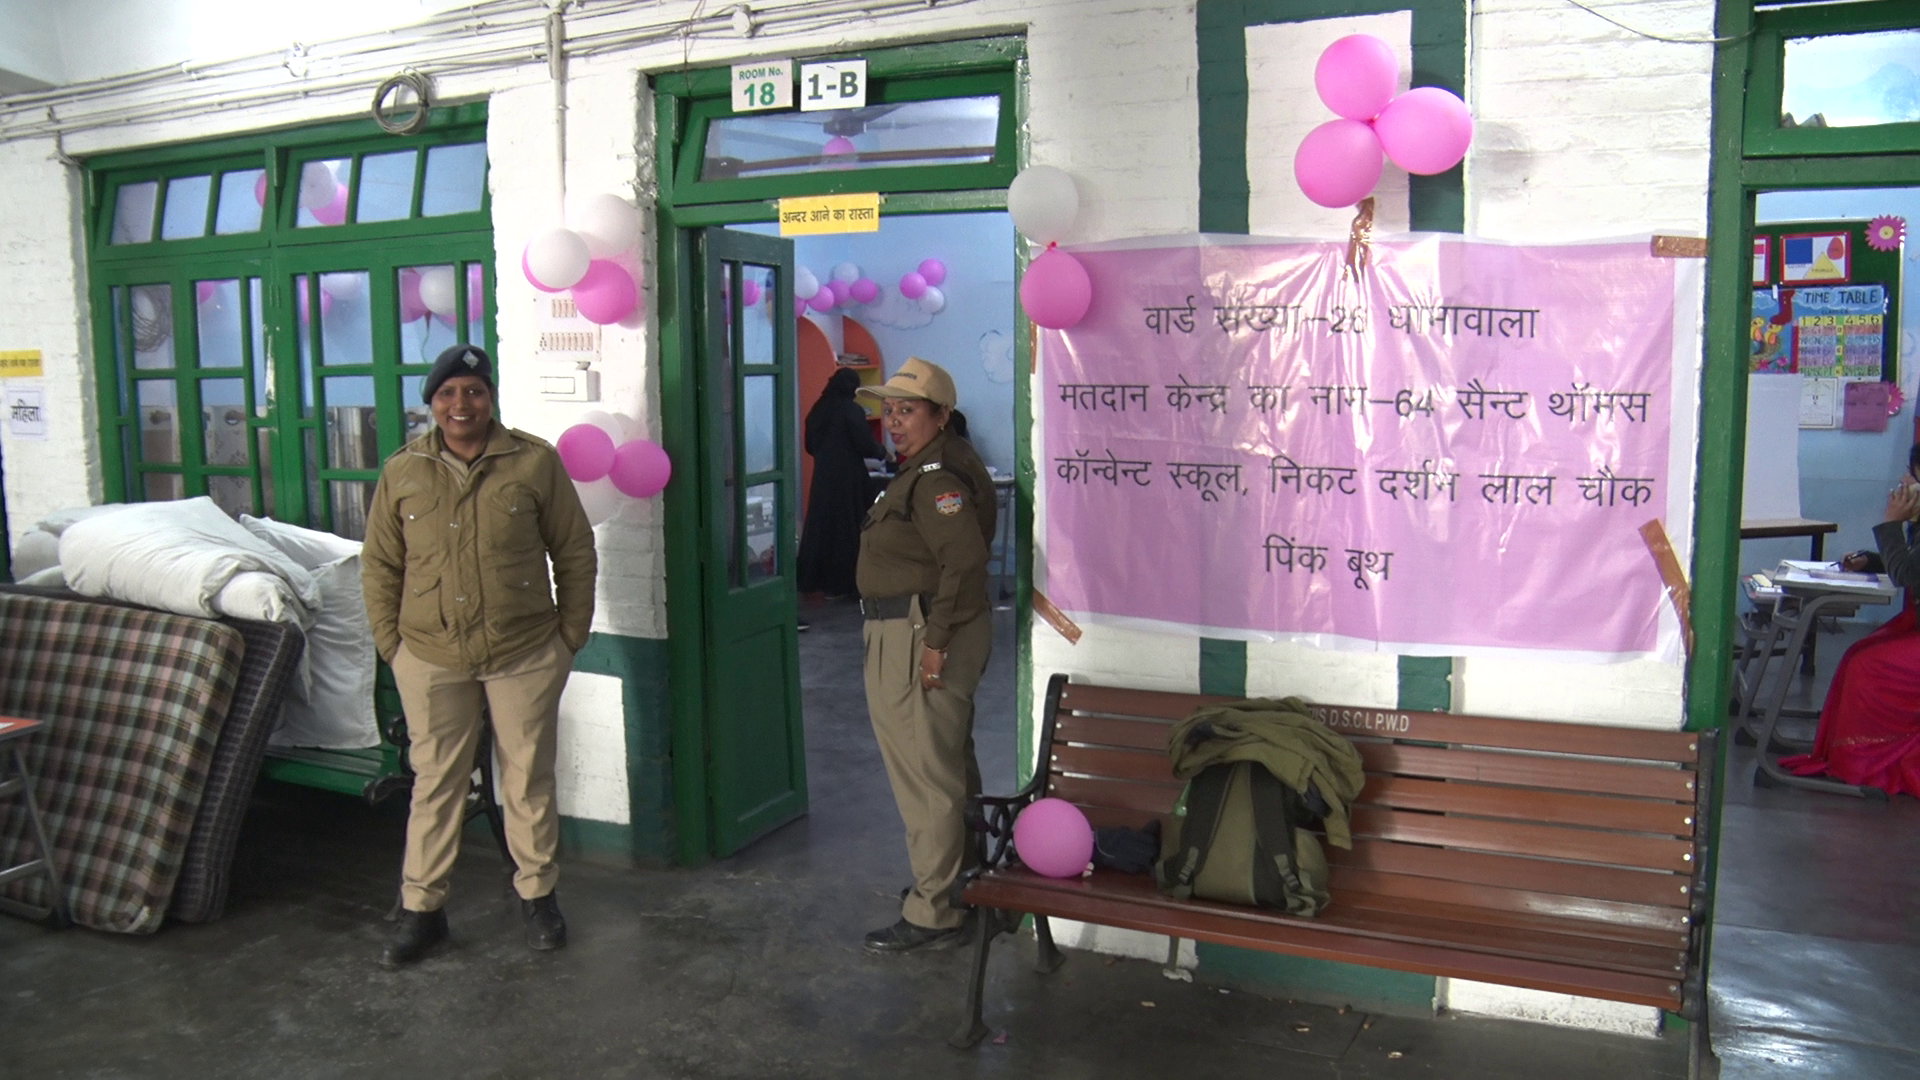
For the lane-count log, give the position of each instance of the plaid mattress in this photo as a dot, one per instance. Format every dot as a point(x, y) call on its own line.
point(134, 702)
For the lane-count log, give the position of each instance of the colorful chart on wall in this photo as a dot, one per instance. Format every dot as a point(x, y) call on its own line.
point(1832, 306)
point(1839, 332)
point(1808, 258)
point(1451, 454)
point(1772, 332)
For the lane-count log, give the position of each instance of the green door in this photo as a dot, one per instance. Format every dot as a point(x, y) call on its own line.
point(744, 353)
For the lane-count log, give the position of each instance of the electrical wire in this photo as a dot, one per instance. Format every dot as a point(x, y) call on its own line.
point(422, 102)
point(1658, 37)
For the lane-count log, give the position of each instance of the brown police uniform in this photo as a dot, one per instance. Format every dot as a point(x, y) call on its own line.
point(923, 582)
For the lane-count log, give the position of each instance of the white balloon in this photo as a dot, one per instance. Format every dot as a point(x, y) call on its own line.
point(608, 223)
point(846, 272)
point(317, 186)
point(1043, 203)
point(804, 283)
point(932, 300)
point(618, 427)
point(600, 499)
point(558, 258)
point(437, 290)
point(343, 286)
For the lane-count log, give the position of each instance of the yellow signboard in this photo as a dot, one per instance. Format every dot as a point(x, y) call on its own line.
point(815, 215)
point(20, 364)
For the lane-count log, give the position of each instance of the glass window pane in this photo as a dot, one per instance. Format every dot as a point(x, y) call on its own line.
point(159, 421)
point(263, 451)
point(351, 498)
point(353, 442)
point(152, 326)
point(164, 487)
point(946, 131)
point(424, 332)
point(217, 311)
point(303, 300)
point(419, 418)
point(759, 422)
point(456, 178)
point(1851, 80)
point(262, 366)
point(223, 420)
point(234, 494)
point(346, 319)
point(186, 215)
point(763, 517)
point(756, 331)
point(243, 195)
point(323, 192)
point(386, 186)
point(476, 305)
point(133, 213)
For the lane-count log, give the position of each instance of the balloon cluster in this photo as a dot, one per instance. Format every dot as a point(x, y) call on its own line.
point(432, 290)
point(321, 193)
point(847, 286)
point(1425, 130)
point(607, 463)
point(594, 261)
point(1055, 291)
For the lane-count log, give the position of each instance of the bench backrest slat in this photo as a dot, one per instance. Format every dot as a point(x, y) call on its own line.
point(1521, 838)
point(1527, 804)
point(1527, 770)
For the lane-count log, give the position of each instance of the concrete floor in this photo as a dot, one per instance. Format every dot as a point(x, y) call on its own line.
point(751, 966)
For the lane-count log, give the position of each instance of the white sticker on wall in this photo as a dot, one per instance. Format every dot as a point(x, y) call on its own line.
point(764, 84)
point(27, 412)
point(841, 84)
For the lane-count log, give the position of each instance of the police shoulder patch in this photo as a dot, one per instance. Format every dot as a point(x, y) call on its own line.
point(948, 503)
point(931, 466)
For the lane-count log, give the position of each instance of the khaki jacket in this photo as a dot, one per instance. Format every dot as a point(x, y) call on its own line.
point(929, 533)
point(457, 566)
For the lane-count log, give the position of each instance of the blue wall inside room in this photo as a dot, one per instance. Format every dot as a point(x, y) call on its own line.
point(1844, 475)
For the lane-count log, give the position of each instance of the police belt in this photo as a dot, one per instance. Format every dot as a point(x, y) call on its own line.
point(891, 607)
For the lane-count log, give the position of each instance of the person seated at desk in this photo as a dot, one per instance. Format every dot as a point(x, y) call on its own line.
point(1870, 726)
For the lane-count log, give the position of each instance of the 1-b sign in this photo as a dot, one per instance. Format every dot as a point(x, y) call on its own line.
point(841, 84)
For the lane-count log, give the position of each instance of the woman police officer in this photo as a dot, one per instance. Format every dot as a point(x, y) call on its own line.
point(923, 589)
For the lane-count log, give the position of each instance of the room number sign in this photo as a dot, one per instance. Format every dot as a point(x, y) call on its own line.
point(841, 84)
point(765, 84)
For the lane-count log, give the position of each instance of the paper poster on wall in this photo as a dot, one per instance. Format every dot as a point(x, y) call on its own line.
point(1866, 405)
point(1451, 454)
point(26, 412)
point(1762, 261)
point(1839, 332)
point(1820, 403)
point(1772, 332)
point(1814, 257)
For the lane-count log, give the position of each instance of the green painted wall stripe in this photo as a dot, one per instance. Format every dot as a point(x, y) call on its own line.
point(1426, 682)
point(641, 665)
point(1223, 667)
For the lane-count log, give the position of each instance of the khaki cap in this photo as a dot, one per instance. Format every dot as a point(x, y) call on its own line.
point(916, 378)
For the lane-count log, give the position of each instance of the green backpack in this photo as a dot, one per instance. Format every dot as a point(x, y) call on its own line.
point(1239, 835)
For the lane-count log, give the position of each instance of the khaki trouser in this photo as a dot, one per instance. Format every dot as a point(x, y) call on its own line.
point(926, 739)
point(443, 724)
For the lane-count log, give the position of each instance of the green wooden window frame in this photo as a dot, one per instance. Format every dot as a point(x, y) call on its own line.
point(894, 76)
point(1762, 135)
point(288, 440)
point(1439, 37)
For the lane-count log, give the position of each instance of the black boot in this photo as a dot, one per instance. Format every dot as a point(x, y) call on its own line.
point(546, 927)
point(418, 932)
point(904, 936)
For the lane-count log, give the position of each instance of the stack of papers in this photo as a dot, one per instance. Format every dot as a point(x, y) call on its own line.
point(1800, 576)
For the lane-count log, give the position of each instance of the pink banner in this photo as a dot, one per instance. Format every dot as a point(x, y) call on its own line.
point(1453, 452)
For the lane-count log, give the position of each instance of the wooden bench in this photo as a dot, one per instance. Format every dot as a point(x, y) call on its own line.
point(1560, 857)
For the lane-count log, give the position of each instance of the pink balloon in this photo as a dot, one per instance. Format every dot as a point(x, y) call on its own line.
point(476, 294)
point(640, 468)
point(1426, 130)
point(1053, 838)
point(933, 271)
point(1356, 76)
point(260, 189)
point(823, 300)
point(335, 212)
point(527, 272)
point(799, 307)
point(1056, 291)
point(412, 308)
point(864, 291)
point(838, 146)
point(203, 290)
point(842, 291)
point(1338, 163)
point(913, 285)
point(749, 293)
point(306, 305)
point(606, 294)
point(587, 451)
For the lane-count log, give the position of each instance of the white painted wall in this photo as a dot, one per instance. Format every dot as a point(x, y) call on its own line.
point(1584, 131)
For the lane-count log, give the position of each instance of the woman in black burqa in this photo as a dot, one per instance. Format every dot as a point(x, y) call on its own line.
point(839, 439)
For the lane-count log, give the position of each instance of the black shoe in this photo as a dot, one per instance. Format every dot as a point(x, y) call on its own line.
point(418, 932)
point(803, 625)
point(904, 936)
point(546, 928)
